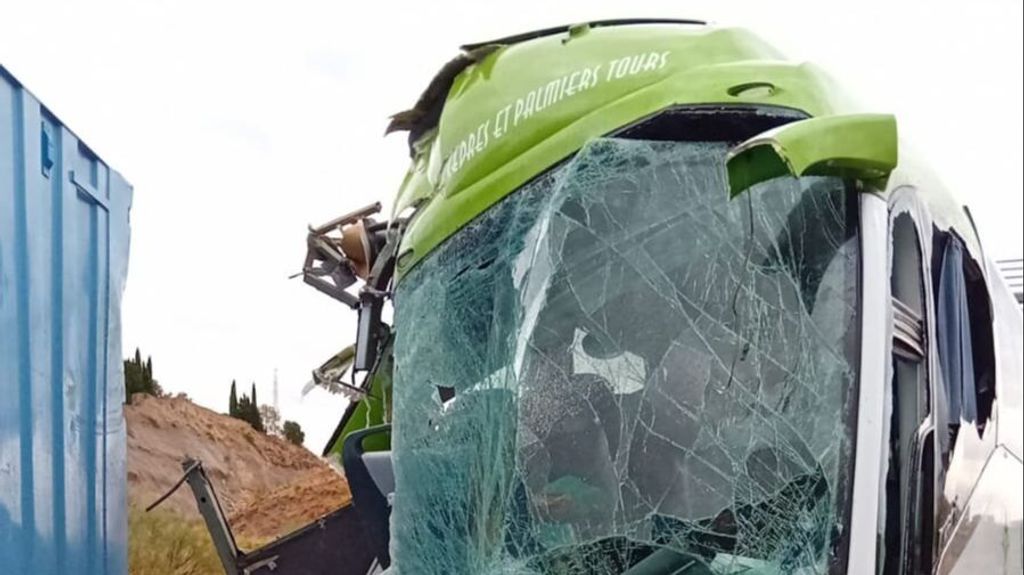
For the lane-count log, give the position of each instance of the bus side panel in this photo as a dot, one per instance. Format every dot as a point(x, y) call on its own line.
point(988, 538)
point(1009, 344)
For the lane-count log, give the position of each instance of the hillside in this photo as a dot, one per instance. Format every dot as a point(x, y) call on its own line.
point(266, 485)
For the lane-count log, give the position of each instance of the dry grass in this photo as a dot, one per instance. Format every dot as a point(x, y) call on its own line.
point(164, 543)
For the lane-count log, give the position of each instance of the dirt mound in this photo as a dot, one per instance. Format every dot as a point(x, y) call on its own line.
point(291, 506)
point(266, 485)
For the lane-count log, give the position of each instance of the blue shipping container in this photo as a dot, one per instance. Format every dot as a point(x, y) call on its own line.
point(63, 261)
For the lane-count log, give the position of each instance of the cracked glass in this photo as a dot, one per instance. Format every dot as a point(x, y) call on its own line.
point(617, 369)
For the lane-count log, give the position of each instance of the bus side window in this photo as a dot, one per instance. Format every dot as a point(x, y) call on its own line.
point(964, 334)
point(907, 515)
point(966, 368)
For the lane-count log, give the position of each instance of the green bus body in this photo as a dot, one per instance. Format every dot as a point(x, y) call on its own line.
point(493, 136)
point(501, 125)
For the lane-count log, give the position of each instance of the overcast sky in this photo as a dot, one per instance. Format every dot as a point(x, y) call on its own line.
point(240, 122)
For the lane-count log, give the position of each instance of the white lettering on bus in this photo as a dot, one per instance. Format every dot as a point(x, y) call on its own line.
point(545, 96)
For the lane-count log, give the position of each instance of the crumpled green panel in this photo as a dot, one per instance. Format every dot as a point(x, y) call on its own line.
point(642, 369)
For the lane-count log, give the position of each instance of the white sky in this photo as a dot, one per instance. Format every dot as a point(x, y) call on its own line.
point(240, 122)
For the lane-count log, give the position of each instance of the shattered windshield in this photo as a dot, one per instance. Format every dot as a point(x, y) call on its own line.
point(617, 369)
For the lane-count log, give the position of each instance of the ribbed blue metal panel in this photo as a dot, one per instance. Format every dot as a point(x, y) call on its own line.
point(63, 260)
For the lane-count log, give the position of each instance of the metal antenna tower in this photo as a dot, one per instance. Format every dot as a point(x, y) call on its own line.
point(277, 405)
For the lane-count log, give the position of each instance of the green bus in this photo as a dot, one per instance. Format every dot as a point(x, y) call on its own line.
point(654, 300)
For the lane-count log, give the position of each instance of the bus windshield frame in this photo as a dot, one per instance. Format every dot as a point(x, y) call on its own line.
point(617, 361)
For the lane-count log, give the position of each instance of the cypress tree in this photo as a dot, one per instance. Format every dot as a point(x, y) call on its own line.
point(129, 380)
point(138, 377)
point(233, 401)
point(254, 411)
point(243, 408)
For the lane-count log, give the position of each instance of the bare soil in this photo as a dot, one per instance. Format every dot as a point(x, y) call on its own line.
point(267, 486)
